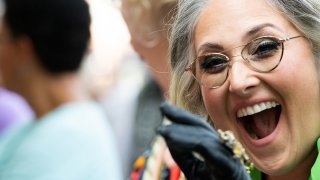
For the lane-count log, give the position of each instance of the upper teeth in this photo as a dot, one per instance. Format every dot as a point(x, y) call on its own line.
point(256, 108)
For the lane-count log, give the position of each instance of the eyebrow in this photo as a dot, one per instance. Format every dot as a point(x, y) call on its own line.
point(211, 47)
point(257, 29)
point(217, 47)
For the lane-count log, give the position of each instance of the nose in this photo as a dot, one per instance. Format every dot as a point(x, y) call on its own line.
point(242, 79)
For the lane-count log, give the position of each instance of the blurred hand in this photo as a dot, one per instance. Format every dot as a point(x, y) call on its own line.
point(189, 135)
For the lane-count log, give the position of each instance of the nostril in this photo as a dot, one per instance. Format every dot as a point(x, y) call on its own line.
point(244, 86)
point(242, 79)
point(242, 91)
point(247, 90)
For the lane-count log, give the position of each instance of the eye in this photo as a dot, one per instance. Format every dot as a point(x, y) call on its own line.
point(263, 48)
point(213, 63)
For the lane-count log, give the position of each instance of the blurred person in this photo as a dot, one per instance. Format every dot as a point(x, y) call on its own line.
point(13, 110)
point(107, 47)
point(120, 102)
point(42, 46)
point(148, 23)
point(111, 74)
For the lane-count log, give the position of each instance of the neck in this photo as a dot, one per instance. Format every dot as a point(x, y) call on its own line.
point(301, 171)
point(49, 92)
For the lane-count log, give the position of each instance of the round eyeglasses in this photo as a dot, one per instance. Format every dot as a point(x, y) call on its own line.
point(263, 55)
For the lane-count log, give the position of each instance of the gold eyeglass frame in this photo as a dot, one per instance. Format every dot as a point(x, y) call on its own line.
point(191, 69)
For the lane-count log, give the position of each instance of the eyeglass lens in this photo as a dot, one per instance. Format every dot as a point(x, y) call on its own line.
point(262, 54)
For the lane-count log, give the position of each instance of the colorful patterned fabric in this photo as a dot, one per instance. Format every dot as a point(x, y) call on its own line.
point(154, 164)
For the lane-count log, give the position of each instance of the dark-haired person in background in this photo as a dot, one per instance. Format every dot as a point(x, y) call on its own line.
point(42, 44)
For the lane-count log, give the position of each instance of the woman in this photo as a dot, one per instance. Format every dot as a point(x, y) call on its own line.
point(42, 46)
point(251, 67)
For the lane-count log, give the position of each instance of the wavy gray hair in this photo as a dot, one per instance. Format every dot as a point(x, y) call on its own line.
point(185, 92)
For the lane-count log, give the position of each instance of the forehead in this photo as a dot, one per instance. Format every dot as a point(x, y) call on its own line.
point(230, 21)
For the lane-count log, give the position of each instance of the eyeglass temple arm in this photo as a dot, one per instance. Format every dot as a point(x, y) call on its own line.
point(294, 37)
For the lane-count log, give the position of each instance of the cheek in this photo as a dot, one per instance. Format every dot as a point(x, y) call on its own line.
point(299, 89)
point(210, 100)
point(299, 82)
point(215, 101)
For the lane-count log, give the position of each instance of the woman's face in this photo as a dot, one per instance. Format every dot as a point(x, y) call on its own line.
point(280, 137)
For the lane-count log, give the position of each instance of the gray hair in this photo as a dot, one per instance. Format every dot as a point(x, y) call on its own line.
point(185, 92)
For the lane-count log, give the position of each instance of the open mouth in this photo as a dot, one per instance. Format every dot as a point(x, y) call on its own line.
point(260, 120)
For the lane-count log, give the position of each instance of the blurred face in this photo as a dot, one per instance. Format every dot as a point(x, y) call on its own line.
point(275, 115)
point(148, 41)
point(16, 59)
point(139, 29)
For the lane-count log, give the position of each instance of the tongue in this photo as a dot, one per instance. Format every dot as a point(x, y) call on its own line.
point(264, 123)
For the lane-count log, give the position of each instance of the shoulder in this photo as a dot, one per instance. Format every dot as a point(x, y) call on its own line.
point(85, 120)
point(67, 144)
point(75, 129)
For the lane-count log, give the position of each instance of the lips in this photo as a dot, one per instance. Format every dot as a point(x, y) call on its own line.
point(260, 120)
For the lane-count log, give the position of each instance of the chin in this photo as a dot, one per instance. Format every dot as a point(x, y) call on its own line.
point(274, 165)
